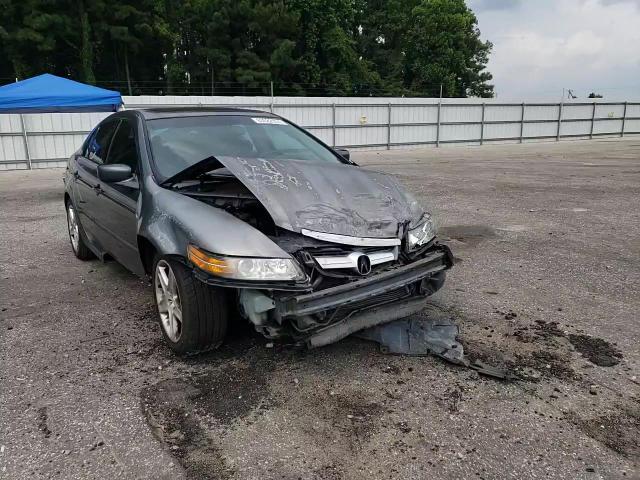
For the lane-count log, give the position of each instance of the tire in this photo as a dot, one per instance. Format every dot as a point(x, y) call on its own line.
point(203, 310)
point(76, 234)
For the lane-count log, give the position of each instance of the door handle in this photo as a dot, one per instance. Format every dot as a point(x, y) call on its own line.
point(76, 175)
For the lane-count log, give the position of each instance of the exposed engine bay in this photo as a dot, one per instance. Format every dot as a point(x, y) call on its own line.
point(348, 274)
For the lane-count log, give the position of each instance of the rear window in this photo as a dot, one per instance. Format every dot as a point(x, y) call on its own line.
point(178, 143)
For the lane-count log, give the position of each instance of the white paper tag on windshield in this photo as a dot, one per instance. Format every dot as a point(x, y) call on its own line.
point(268, 121)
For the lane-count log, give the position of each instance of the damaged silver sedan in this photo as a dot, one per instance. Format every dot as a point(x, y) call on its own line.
point(241, 214)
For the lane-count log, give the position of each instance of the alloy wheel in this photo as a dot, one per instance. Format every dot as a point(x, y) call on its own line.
point(168, 300)
point(74, 230)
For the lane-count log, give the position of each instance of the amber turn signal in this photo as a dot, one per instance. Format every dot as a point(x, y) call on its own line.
point(206, 262)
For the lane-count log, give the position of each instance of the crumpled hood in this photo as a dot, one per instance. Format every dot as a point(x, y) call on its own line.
point(326, 197)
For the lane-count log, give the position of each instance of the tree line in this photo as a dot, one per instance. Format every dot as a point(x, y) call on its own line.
point(301, 47)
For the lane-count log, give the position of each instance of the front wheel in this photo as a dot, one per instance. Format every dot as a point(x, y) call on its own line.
point(193, 316)
point(76, 234)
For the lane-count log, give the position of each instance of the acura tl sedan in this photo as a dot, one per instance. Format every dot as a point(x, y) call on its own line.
point(240, 215)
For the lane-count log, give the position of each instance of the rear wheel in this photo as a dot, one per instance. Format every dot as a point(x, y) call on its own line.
point(193, 316)
point(76, 235)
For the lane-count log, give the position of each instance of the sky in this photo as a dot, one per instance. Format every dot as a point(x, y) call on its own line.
point(543, 46)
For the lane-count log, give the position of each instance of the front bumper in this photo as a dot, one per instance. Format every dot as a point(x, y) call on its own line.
point(359, 292)
point(327, 315)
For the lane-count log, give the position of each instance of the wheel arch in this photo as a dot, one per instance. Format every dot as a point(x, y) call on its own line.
point(147, 251)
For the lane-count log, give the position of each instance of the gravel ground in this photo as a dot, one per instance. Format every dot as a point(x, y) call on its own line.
point(546, 285)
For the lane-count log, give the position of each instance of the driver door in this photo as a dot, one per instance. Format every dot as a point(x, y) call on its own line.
point(118, 201)
point(86, 182)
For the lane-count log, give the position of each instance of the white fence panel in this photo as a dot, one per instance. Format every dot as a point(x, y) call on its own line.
point(366, 122)
point(361, 137)
point(414, 114)
point(610, 111)
point(460, 133)
point(632, 126)
point(633, 110)
point(12, 148)
point(576, 128)
point(540, 130)
point(607, 127)
point(10, 124)
point(414, 134)
point(362, 115)
point(496, 113)
point(310, 116)
point(541, 112)
point(460, 113)
point(571, 112)
point(497, 131)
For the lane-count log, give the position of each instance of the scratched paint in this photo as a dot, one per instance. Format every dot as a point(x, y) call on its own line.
point(331, 198)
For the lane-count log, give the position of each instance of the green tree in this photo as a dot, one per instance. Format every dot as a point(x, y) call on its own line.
point(443, 47)
point(382, 39)
point(338, 47)
point(31, 35)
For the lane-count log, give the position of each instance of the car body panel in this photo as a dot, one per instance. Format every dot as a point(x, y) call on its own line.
point(316, 205)
point(173, 220)
point(332, 198)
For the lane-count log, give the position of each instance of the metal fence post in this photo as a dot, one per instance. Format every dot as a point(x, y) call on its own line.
point(593, 120)
point(333, 124)
point(438, 124)
point(271, 91)
point(482, 125)
point(389, 126)
point(522, 122)
point(559, 121)
point(26, 141)
point(624, 117)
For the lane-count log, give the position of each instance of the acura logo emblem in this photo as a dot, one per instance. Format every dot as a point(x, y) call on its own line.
point(364, 265)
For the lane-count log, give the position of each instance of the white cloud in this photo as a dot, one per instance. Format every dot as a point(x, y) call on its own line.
point(544, 46)
point(479, 5)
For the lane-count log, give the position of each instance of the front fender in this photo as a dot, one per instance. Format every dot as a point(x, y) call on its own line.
point(171, 221)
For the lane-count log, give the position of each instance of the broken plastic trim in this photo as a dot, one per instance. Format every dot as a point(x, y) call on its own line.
point(420, 337)
point(355, 241)
point(343, 295)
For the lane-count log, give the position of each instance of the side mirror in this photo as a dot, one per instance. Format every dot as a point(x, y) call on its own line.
point(343, 152)
point(114, 173)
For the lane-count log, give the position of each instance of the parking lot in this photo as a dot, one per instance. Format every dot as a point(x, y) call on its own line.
point(547, 282)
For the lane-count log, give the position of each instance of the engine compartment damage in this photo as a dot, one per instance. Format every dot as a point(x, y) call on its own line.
point(347, 229)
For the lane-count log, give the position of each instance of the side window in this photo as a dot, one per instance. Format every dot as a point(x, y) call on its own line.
point(87, 142)
point(98, 146)
point(123, 149)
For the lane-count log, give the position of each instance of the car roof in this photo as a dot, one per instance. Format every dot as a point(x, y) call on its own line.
point(195, 111)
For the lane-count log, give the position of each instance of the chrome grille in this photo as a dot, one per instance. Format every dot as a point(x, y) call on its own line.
point(350, 260)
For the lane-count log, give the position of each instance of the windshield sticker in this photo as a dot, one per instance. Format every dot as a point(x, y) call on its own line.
point(268, 121)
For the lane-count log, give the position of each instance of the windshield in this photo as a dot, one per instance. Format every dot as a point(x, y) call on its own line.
point(178, 143)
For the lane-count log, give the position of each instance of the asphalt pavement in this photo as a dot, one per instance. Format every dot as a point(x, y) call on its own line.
point(546, 285)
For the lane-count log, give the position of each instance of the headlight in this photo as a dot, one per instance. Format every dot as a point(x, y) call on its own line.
point(245, 268)
point(422, 234)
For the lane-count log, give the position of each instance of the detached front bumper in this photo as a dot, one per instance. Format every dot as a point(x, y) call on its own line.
point(361, 291)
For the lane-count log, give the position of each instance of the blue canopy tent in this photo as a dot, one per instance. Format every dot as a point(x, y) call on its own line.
point(48, 93)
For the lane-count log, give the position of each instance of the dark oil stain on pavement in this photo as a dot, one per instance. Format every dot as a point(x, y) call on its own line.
point(43, 422)
point(596, 350)
point(471, 235)
point(179, 409)
point(617, 430)
point(168, 408)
